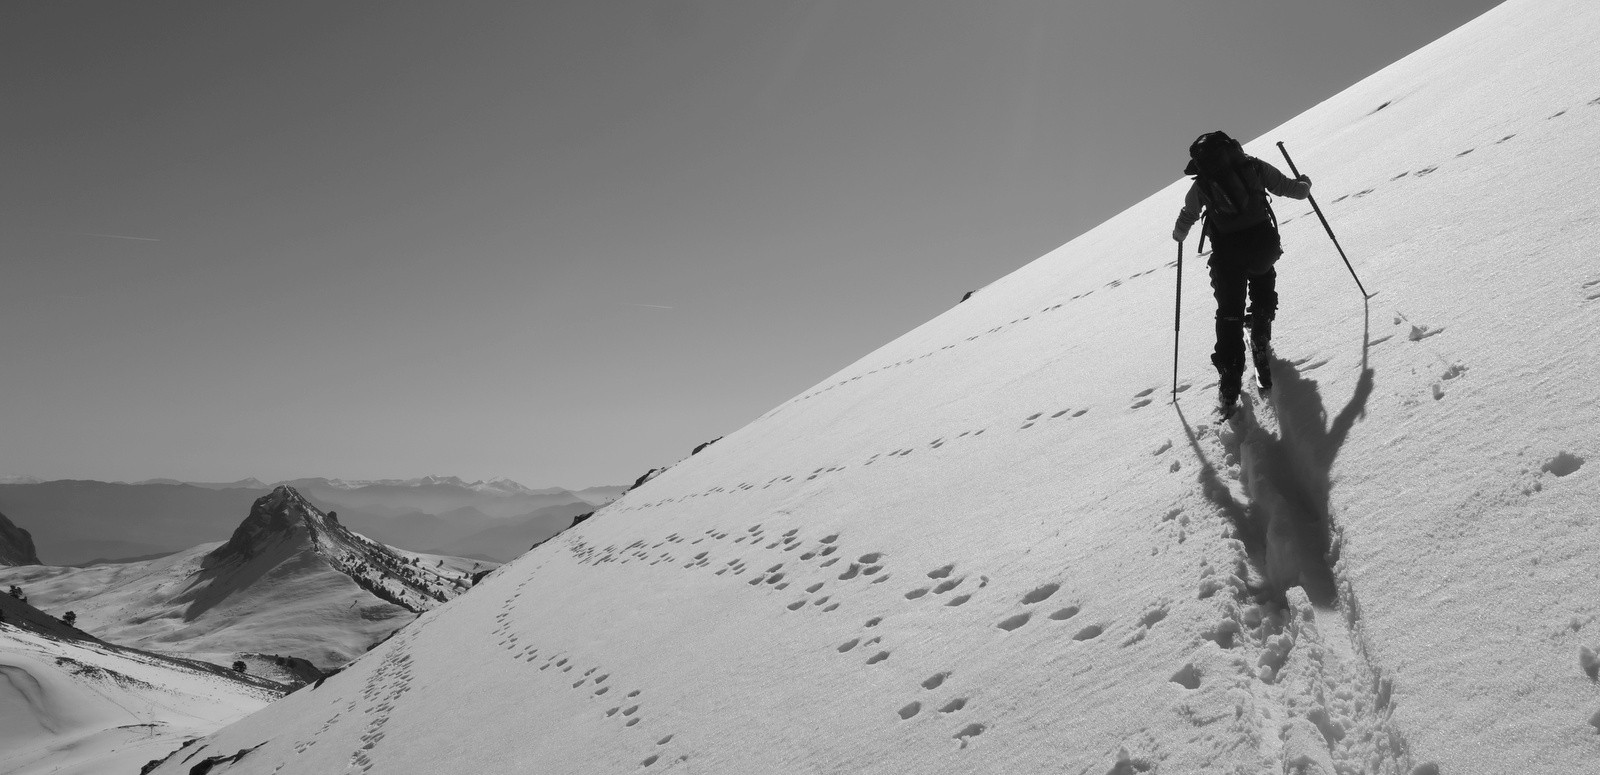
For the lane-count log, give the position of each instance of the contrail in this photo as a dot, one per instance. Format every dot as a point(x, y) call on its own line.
point(651, 306)
point(118, 236)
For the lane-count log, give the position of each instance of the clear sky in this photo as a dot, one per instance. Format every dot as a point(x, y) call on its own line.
point(563, 242)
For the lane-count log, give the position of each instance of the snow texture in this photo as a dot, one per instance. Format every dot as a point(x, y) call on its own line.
point(994, 546)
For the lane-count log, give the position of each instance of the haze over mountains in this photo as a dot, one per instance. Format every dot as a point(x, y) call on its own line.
point(78, 521)
point(993, 546)
point(290, 581)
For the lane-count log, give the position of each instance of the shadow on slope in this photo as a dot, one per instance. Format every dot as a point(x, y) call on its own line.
point(1284, 518)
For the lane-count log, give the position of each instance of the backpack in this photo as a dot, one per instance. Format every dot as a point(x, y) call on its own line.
point(1230, 184)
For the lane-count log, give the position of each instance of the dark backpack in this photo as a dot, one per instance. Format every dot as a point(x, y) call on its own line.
point(1230, 184)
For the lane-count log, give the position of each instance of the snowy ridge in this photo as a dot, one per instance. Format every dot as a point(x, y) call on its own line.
point(290, 581)
point(72, 704)
point(283, 521)
point(993, 546)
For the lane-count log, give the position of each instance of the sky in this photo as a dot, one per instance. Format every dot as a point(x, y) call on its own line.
point(563, 242)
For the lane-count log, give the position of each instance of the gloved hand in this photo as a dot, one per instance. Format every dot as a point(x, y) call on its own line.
point(1306, 180)
point(1179, 234)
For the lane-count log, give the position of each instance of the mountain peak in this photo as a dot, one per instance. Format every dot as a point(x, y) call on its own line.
point(279, 515)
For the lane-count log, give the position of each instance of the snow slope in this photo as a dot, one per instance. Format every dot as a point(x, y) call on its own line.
point(994, 546)
point(290, 581)
point(72, 705)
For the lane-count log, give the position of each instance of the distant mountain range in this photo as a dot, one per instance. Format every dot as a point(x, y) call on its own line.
point(290, 580)
point(76, 522)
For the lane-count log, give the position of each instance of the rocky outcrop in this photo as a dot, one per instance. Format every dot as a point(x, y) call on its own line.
point(16, 545)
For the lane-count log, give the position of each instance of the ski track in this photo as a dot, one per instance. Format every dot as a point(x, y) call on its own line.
point(1316, 699)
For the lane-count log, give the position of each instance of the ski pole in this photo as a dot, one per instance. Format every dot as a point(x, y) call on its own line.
point(1177, 324)
point(1325, 225)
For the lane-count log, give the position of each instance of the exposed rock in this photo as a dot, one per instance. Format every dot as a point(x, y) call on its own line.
point(16, 545)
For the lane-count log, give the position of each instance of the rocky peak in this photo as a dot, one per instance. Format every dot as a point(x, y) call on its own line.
point(283, 514)
point(16, 545)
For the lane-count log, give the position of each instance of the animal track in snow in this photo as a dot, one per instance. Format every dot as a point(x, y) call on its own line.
point(954, 705)
point(958, 600)
point(1563, 464)
point(878, 657)
point(1040, 593)
point(1089, 633)
point(1187, 676)
point(1013, 622)
point(973, 730)
point(942, 572)
point(935, 680)
point(910, 710)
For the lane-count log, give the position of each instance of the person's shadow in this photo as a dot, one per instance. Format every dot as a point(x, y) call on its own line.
point(1284, 519)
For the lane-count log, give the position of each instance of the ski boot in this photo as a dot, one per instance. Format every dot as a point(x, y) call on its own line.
point(1261, 350)
point(1229, 379)
point(1261, 356)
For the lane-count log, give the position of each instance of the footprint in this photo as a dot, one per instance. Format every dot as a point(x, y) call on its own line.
point(1042, 593)
point(954, 705)
point(910, 710)
point(939, 573)
point(1065, 613)
point(1563, 464)
point(878, 657)
point(1089, 633)
point(664, 740)
point(874, 621)
point(916, 593)
point(973, 730)
point(1153, 616)
point(849, 644)
point(1464, 153)
point(1558, 114)
point(948, 585)
point(649, 760)
point(1143, 393)
point(868, 559)
point(1503, 139)
point(958, 600)
point(935, 680)
point(1014, 622)
point(1426, 171)
point(1141, 403)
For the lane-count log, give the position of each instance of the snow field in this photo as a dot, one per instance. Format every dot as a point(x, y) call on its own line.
point(993, 545)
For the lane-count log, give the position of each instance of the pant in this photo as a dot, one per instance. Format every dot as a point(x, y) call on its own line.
point(1241, 268)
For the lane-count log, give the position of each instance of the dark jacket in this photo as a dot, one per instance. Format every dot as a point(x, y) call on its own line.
point(1271, 179)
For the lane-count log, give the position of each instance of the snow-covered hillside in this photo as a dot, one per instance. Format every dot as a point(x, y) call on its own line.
point(72, 705)
point(994, 546)
point(289, 582)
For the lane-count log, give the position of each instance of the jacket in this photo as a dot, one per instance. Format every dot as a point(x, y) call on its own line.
point(1274, 181)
